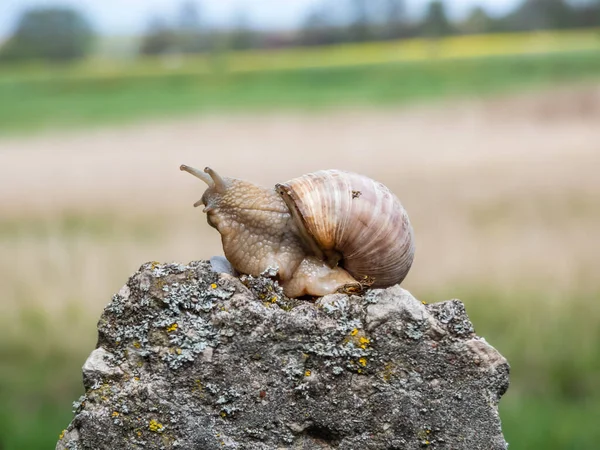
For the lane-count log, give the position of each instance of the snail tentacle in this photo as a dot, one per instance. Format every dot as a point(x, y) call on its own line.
point(218, 181)
point(201, 175)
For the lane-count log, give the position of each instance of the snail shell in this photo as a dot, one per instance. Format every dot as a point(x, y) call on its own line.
point(352, 220)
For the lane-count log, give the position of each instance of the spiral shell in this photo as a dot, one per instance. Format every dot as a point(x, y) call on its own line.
point(352, 220)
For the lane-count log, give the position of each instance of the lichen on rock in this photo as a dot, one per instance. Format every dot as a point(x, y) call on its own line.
point(192, 359)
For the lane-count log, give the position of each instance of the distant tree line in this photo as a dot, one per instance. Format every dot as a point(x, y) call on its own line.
point(53, 34)
point(388, 19)
point(63, 34)
point(366, 20)
point(190, 34)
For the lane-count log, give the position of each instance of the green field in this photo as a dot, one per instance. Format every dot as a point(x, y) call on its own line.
point(553, 400)
point(60, 99)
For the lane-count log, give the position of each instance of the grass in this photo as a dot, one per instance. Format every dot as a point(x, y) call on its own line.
point(100, 91)
point(553, 401)
point(63, 101)
point(36, 386)
point(550, 423)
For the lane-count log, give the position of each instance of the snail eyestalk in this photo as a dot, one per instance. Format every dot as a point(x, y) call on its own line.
point(198, 174)
point(219, 183)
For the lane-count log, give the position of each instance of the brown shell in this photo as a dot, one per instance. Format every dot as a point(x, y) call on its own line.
point(355, 220)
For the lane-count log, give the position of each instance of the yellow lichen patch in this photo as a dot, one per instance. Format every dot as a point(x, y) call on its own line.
point(62, 434)
point(363, 342)
point(115, 414)
point(155, 426)
point(358, 339)
point(178, 351)
point(422, 434)
point(172, 327)
point(154, 265)
point(214, 285)
point(424, 302)
point(362, 361)
point(136, 344)
point(273, 299)
point(223, 414)
point(307, 373)
point(136, 378)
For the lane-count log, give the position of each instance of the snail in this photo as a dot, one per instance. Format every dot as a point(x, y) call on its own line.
point(323, 232)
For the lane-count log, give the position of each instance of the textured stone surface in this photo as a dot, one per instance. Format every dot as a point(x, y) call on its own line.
point(191, 359)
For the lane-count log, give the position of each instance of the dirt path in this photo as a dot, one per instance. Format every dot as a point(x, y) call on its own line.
point(137, 165)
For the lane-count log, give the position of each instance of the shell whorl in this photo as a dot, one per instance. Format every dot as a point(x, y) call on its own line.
point(352, 218)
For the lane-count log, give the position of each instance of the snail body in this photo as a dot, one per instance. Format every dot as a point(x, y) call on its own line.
point(324, 232)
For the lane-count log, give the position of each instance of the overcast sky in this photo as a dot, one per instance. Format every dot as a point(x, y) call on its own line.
point(131, 16)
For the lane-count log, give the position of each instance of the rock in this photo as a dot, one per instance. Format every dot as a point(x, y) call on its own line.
point(220, 264)
point(98, 367)
point(191, 359)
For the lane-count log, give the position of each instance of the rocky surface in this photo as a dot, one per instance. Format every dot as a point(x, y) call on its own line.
point(191, 359)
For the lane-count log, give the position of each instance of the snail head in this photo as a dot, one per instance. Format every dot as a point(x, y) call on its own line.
point(217, 186)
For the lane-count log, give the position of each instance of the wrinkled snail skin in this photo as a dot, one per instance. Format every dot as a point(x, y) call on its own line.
point(256, 228)
point(305, 227)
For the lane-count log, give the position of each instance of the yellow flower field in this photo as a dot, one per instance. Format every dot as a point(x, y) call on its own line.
point(344, 55)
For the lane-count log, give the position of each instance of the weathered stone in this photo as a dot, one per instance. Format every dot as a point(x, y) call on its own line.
point(98, 366)
point(191, 359)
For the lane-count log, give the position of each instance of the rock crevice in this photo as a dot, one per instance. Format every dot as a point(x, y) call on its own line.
point(191, 359)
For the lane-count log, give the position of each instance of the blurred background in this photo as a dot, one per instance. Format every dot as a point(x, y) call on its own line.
point(483, 116)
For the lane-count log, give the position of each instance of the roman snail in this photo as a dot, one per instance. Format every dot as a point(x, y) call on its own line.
point(324, 232)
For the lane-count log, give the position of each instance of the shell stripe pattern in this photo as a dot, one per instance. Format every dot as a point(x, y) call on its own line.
point(357, 217)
